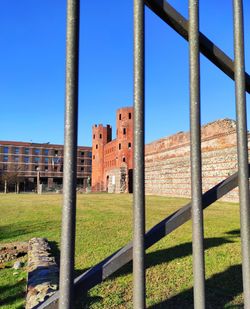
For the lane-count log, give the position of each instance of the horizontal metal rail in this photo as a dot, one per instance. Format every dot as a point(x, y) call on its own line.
point(117, 260)
point(180, 24)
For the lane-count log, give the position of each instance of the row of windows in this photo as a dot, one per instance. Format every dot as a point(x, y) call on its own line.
point(27, 167)
point(112, 162)
point(109, 150)
point(129, 146)
point(119, 146)
point(100, 136)
point(27, 159)
point(16, 150)
point(37, 151)
point(109, 163)
point(35, 168)
point(129, 116)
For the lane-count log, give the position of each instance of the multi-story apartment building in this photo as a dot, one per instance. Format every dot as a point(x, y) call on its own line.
point(30, 160)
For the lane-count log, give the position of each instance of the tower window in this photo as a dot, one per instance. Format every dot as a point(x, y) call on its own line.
point(100, 135)
point(123, 159)
point(124, 131)
point(96, 146)
point(129, 145)
point(94, 136)
point(129, 115)
point(120, 116)
point(93, 157)
point(120, 146)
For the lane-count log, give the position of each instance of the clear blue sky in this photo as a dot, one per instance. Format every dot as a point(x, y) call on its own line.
point(32, 58)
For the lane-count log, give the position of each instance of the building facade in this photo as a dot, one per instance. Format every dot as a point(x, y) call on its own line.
point(112, 160)
point(167, 160)
point(28, 161)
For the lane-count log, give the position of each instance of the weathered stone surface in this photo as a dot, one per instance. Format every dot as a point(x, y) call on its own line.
point(17, 265)
point(167, 161)
point(42, 273)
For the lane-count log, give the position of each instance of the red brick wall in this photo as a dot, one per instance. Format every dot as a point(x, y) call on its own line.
point(107, 154)
point(100, 137)
point(124, 125)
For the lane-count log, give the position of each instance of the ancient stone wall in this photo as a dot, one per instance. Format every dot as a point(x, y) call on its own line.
point(167, 161)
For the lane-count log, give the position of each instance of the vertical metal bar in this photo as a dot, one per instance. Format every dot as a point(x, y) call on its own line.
point(196, 175)
point(139, 177)
point(70, 155)
point(242, 146)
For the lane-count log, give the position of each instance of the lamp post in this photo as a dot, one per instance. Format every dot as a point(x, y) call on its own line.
point(38, 180)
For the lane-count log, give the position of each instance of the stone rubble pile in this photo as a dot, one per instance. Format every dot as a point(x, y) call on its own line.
point(43, 273)
point(13, 251)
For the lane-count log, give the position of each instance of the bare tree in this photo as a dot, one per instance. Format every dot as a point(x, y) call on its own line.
point(12, 176)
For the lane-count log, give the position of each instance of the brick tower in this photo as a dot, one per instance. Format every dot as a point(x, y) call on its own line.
point(124, 125)
point(100, 137)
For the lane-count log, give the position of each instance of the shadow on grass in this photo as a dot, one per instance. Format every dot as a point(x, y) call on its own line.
point(16, 229)
point(170, 254)
point(55, 251)
point(235, 233)
point(220, 290)
point(11, 293)
point(157, 258)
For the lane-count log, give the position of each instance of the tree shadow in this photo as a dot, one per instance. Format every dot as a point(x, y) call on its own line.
point(220, 290)
point(17, 292)
point(15, 230)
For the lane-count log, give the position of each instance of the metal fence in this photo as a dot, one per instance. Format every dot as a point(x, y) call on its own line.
point(198, 43)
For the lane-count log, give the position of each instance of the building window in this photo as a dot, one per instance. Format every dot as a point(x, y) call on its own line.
point(5, 167)
point(123, 159)
point(129, 145)
point(5, 149)
point(26, 167)
point(89, 154)
point(120, 116)
point(36, 160)
point(124, 131)
point(16, 150)
point(5, 158)
point(46, 152)
point(56, 152)
point(82, 161)
point(37, 151)
point(82, 153)
point(96, 146)
point(120, 146)
point(26, 159)
point(82, 169)
point(46, 168)
point(15, 159)
point(46, 160)
point(100, 135)
point(26, 151)
point(129, 115)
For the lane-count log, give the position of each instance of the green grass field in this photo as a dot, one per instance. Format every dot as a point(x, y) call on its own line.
point(104, 224)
